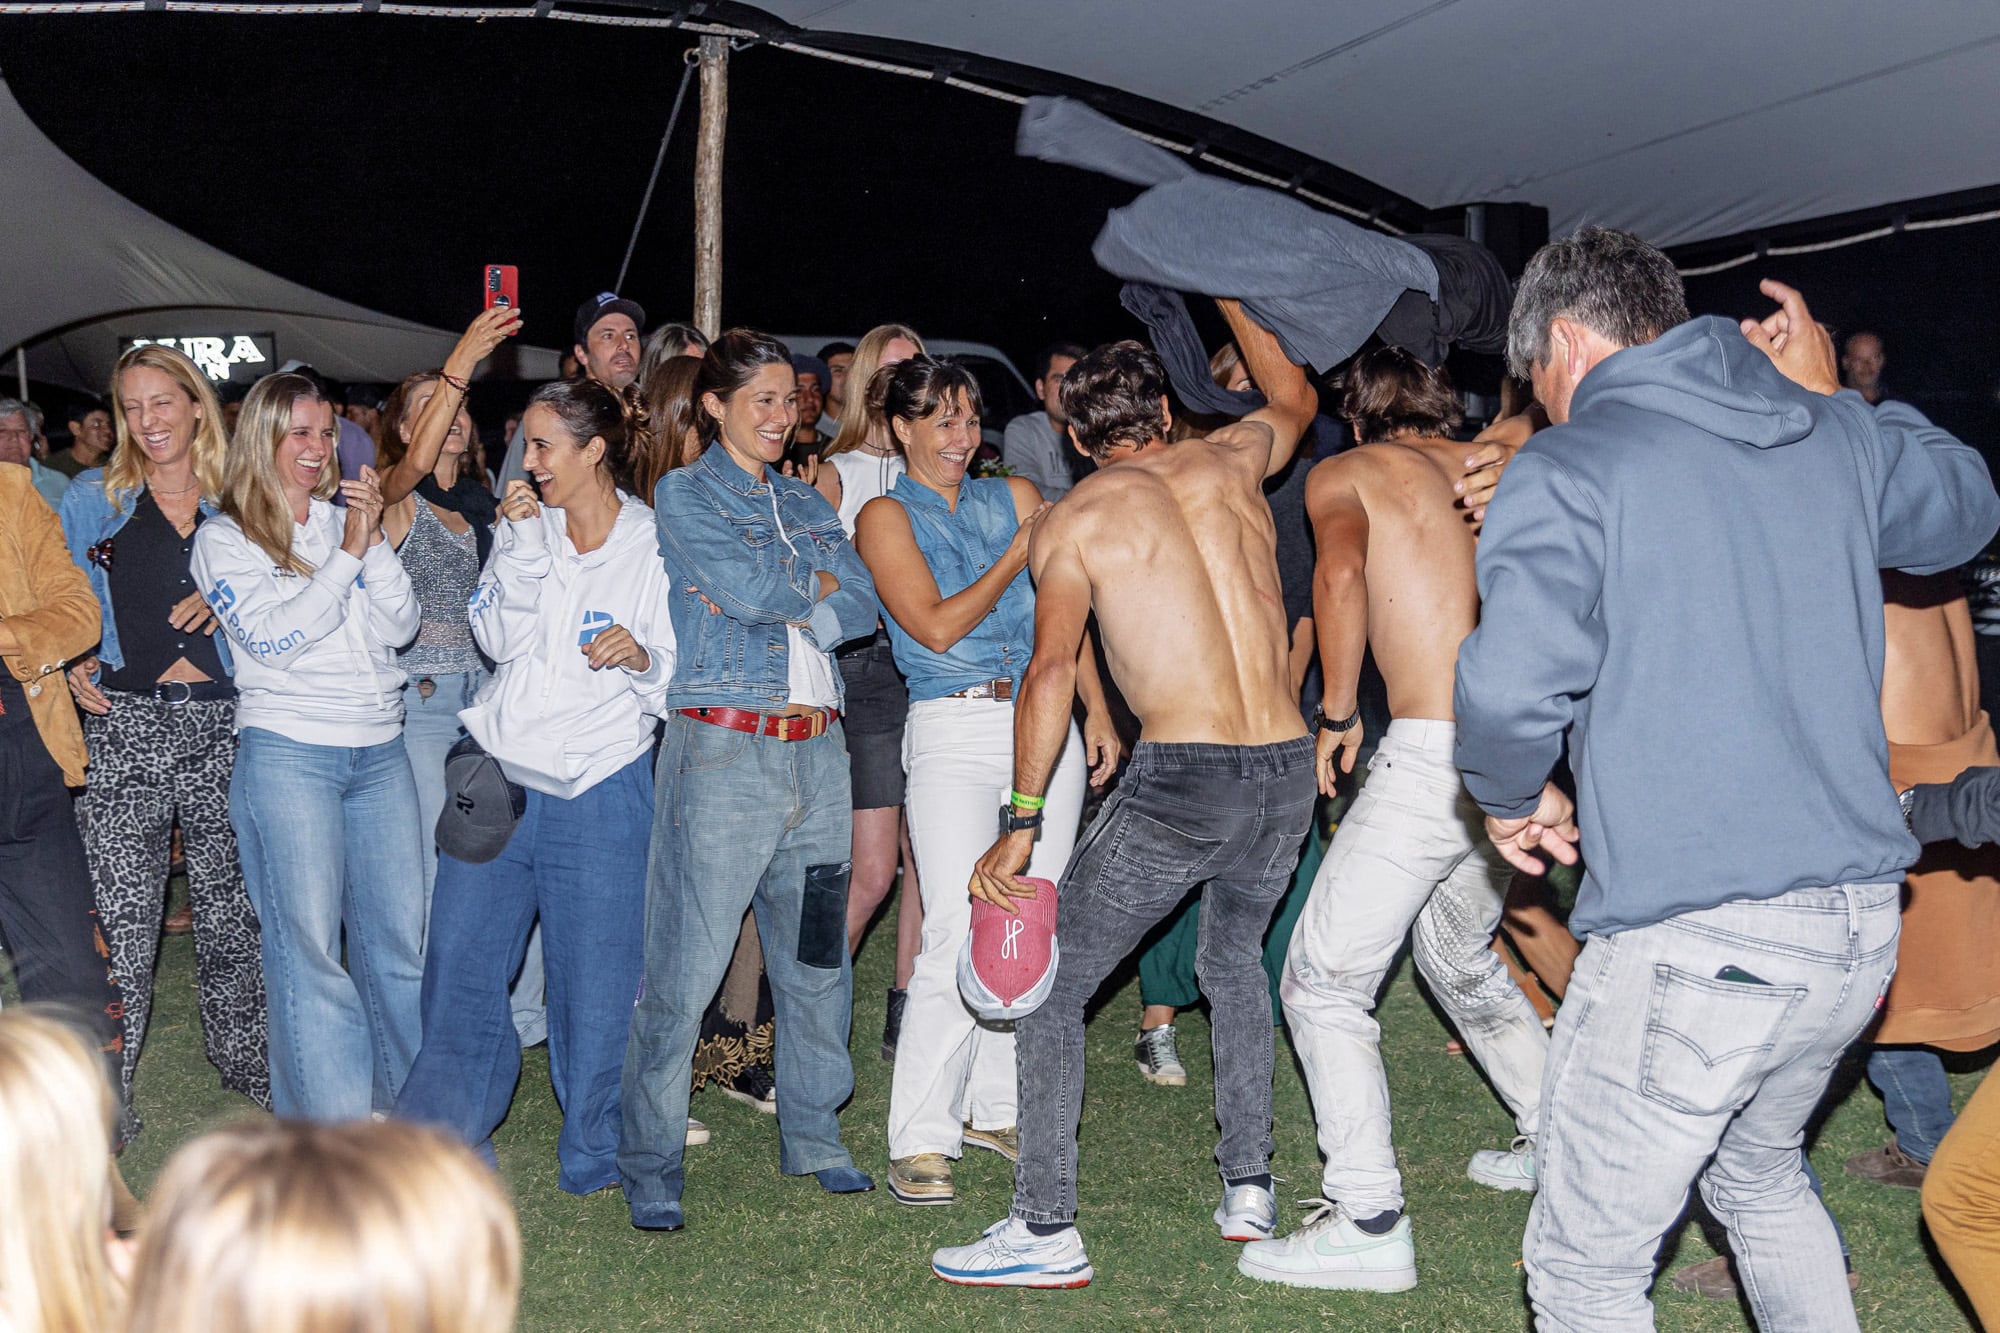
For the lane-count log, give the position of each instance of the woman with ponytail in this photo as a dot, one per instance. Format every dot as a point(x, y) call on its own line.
point(572, 607)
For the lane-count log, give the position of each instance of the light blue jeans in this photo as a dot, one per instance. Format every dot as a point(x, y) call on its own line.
point(742, 822)
point(1698, 1047)
point(430, 729)
point(328, 836)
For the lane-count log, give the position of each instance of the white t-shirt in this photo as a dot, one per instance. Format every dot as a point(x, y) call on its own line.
point(863, 476)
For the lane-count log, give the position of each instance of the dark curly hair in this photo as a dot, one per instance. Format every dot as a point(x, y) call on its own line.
point(1113, 396)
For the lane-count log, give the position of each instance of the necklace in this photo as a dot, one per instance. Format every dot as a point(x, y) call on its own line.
point(182, 491)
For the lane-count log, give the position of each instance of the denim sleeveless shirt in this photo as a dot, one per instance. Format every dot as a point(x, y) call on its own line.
point(959, 547)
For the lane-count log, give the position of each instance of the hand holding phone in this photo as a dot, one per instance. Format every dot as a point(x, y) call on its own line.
point(502, 286)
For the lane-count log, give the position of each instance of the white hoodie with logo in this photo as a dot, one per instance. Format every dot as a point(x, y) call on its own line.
point(553, 723)
point(315, 655)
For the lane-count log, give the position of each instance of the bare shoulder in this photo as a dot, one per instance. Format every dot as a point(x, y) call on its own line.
point(882, 515)
point(1027, 496)
point(1239, 435)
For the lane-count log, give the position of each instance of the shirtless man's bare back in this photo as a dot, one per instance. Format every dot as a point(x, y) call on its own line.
point(1172, 547)
point(1395, 574)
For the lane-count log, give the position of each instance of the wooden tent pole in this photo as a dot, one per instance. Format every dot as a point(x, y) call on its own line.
point(708, 185)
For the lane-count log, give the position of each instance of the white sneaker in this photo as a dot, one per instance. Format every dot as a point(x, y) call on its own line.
point(1247, 1212)
point(1330, 1251)
point(1159, 1057)
point(1513, 1169)
point(697, 1132)
point(1010, 1255)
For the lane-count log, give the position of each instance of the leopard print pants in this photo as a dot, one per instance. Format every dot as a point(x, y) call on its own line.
point(150, 762)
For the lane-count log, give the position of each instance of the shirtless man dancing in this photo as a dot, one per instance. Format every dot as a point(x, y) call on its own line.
point(1394, 572)
point(1173, 548)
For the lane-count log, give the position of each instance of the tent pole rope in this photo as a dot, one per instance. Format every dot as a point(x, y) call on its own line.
point(659, 159)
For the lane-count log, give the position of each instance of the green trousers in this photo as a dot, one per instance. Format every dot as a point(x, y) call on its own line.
point(1166, 964)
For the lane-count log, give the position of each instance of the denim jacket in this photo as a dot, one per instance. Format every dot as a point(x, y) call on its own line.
point(961, 545)
point(752, 546)
point(89, 517)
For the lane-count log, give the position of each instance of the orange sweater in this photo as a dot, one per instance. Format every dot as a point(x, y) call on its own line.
point(47, 604)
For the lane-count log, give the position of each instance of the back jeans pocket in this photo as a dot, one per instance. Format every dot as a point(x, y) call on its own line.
point(823, 916)
point(1707, 1040)
point(1150, 856)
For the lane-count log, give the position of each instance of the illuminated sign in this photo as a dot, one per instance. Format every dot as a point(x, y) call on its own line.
point(227, 358)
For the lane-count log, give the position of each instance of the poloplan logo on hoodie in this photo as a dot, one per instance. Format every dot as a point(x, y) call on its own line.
point(594, 624)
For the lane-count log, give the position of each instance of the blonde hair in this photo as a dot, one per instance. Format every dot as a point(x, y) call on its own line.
point(291, 1227)
point(125, 470)
point(56, 1113)
point(251, 493)
point(862, 414)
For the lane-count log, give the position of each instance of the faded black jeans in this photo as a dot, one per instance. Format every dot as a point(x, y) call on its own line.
point(1232, 817)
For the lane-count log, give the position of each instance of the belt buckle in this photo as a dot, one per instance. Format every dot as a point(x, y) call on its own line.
point(817, 727)
point(187, 691)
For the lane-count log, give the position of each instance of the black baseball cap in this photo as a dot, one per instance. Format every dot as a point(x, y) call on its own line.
point(481, 806)
point(602, 304)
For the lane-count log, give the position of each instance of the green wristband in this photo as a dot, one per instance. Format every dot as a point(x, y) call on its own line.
point(1025, 802)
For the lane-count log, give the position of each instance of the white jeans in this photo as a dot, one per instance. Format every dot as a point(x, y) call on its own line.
point(950, 1067)
point(1412, 850)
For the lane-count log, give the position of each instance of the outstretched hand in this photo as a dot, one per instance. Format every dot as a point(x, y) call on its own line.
point(1798, 345)
point(1492, 450)
point(1551, 828)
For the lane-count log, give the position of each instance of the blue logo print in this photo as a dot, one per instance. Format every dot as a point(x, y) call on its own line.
point(222, 596)
point(594, 624)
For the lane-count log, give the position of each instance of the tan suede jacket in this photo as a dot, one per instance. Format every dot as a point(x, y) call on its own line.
point(47, 603)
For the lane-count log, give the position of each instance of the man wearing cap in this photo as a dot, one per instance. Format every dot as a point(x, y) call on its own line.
point(607, 350)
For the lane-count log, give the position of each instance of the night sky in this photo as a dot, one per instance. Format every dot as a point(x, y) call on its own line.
point(385, 159)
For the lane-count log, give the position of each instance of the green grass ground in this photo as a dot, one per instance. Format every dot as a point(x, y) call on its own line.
point(767, 1251)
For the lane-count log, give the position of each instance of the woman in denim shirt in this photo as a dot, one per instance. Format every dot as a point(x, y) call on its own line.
point(752, 806)
point(159, 713)
point(949, 554)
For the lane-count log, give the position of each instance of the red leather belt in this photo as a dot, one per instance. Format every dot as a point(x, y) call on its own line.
point(783, 726)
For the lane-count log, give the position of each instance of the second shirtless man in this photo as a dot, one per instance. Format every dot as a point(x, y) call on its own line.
point(1173, 548)
point(1395, 572)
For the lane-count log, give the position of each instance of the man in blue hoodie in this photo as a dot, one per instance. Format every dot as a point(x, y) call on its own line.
point(1679, 581)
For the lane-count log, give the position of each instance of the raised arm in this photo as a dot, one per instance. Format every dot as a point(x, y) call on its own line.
point(488, 331)
point(1270, 435)
point(1340, 607)
point(1042, 708)
point(908, 588)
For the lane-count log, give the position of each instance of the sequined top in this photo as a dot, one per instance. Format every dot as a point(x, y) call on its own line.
point(444, 568)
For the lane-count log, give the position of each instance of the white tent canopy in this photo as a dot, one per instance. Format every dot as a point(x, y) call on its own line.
point(1683, 121)
point(85, 268)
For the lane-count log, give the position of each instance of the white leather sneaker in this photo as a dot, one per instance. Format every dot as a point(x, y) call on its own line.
point(1330, 1251)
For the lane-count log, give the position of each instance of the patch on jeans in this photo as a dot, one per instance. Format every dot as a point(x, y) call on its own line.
point(823, 916)
point(1707, 1039)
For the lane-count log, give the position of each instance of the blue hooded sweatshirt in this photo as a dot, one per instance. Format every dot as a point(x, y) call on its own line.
point(1682, 581)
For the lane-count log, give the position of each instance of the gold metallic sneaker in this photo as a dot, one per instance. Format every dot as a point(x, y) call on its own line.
point(922, 1179)
point(1006, 1142)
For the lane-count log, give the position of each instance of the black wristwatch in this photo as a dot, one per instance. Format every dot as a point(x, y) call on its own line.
point(1319, 722)
point(1013, 823)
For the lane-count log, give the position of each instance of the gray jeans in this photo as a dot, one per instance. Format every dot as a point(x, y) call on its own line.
point(1232, 817)
point(1697, 1047)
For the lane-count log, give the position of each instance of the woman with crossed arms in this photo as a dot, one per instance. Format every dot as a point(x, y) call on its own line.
point(949, 556)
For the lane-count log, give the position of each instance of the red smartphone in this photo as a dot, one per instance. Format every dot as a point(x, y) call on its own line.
point(502, 286)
